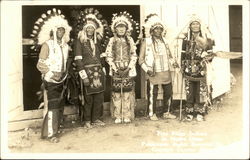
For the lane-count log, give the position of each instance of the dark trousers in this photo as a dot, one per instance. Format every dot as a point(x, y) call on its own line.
point(55, 95)
point(51, 123)
point(152, 92)
point(54, 115)
point(194, 105)
point(167, 96)
point(194, 92)
point(93, 107)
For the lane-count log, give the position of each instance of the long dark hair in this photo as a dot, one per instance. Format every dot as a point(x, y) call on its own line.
point(191, 32)
point(154, 42)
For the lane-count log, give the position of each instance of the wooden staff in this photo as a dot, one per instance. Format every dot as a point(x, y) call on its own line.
point(122, 98)
point(82, 100)
point(181, 97)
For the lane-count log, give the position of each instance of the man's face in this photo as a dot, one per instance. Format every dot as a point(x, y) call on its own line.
point(157, 31)
point(195, 27)
point(121, 30)
point(90, 30)
point(60, 32)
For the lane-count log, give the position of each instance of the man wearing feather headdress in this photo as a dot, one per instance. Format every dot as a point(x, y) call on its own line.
point(121, 57)
point(156, 60)
point(88, 48)
point(196, 56)
point(52, 32)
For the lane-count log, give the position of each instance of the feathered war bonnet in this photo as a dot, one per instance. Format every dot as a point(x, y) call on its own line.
point(126, 19)
point(92, 17)
point(47, 25)
point(204, 30)
point(151, 22)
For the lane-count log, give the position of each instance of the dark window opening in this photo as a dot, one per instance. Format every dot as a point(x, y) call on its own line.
point(235, 28)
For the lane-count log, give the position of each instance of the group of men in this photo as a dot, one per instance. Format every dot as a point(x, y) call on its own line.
point(90, 55)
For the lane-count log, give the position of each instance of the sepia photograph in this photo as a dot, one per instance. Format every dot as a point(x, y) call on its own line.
point(132, 79)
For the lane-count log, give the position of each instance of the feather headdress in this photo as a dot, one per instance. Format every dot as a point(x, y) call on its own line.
point(152, 21)
point(204, 30)
point(92, 17)
point(47, 25)
point(126, 19)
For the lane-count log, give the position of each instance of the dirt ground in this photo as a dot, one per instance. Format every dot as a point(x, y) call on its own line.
point(222, 127)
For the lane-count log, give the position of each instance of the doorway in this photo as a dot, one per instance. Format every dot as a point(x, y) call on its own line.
point(32, 77)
